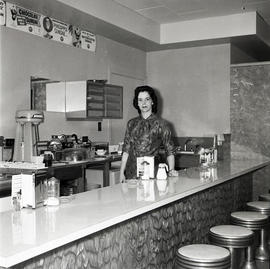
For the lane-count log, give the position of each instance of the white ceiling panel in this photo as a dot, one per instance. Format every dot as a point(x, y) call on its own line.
point(160, 14)
point(166, 11)
point(137, 4)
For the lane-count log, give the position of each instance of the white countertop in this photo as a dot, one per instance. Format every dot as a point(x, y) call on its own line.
point(27, 233)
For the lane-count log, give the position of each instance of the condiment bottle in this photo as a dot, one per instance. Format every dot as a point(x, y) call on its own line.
point(215, 152)
point(162, 171)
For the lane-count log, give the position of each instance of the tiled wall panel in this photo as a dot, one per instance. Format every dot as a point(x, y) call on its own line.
point(250, 117)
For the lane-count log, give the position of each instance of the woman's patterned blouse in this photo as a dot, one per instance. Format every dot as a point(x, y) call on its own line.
point(144, 137)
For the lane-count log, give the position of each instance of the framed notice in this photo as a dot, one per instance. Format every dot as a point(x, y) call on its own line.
point(23, 19)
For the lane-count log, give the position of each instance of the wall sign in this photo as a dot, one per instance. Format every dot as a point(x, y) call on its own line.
point(88, 41)
point(2, 13)
point(23, 19)
point(56, 30)
point(29, 21)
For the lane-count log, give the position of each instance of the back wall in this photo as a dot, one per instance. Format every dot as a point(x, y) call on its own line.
point(24, 55)
point(195, 87)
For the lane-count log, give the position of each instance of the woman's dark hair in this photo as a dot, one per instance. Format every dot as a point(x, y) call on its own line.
point(152, 94)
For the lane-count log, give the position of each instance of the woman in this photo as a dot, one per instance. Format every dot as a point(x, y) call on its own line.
point(145, 135)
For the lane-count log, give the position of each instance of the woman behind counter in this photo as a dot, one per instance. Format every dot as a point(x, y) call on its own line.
point(145, 135)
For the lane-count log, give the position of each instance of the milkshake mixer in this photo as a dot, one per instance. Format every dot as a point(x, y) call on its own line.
point(27, 134)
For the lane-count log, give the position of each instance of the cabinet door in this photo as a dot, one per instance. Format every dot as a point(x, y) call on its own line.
point(75, 99)
point(95, 100)
point(113, 101)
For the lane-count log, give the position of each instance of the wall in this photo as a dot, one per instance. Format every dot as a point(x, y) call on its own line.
point(250, 117)
point(240, 56)
point(195, 87)
point(24, 55)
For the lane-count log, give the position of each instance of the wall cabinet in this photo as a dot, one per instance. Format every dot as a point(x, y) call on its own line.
point(87, 100)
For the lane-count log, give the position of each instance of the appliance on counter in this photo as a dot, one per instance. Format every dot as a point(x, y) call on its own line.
point(65, 140)
point(27, 134)
point(62, 141)
point(62, 145)
point(73, 154)
point(101, 145)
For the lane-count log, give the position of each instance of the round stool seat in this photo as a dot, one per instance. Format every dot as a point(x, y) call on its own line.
point(251, 220)
point(259, 206)
point(264, 197)
point(231, 236)
point(203, 256)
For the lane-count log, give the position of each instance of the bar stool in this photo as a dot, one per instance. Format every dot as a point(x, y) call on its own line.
point(203, 256)
point(256, 222)
point(262, 207)
point(264, 197)
point(234, 237)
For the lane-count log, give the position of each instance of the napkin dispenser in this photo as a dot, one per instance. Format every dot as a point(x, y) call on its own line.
point(146, 167)
point(29, 190)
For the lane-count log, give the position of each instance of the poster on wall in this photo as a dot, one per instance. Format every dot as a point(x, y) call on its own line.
point(2, 13)
point(83, 39)
point(88, 41)
point(76, 36)
point(26, 20)
point(56, 30)
point(23, 19)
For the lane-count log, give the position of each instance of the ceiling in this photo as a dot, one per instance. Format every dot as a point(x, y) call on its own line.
point(85, 14)
point(168, 11)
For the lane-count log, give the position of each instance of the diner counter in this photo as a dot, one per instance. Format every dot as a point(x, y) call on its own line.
point(70, 170)
point(28, 233)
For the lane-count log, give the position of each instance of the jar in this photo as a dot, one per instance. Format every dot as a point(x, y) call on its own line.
point(53, 192)
point(47, 160)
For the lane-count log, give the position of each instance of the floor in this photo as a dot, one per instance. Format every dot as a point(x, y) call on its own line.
point(263, 265)
point(239, 259)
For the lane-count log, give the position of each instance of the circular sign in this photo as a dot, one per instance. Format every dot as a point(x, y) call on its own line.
point(47, 24)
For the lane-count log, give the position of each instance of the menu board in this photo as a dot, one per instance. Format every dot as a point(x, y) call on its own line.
point(2, 13)
point(23, 19)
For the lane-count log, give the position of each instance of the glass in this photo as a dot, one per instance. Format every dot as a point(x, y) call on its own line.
point(53, 191)
point(92, 151)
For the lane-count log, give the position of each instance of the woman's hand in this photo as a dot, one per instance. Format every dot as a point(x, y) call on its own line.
point(173, 173)
point(122, 178)
point(123, 167)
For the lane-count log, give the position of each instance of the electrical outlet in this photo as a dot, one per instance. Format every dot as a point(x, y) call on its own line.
point(99, 126)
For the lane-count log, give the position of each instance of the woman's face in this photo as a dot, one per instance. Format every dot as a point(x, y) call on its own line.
point(145, 102)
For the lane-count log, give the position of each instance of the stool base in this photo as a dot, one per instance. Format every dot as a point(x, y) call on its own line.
point(262, 252)
point(249, 265)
